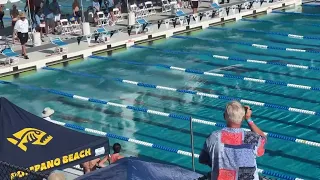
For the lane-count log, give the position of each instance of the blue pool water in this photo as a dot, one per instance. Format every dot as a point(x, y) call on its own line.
point(282, 156)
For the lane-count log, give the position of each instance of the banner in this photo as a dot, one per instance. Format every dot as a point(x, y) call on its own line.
point(31, 142)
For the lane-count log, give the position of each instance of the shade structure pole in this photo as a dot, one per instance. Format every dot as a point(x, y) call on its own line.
point(31, 20)
point(192, 144)
point(82, 12)
point(127, 6)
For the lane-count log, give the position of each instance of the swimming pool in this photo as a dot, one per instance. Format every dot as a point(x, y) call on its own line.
point(282, 156)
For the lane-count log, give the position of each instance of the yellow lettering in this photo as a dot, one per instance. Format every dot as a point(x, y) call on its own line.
point(76, 156)
point(13, 175)
point(82, 154)
point(21, 173)
point(43, 166)
point(65, 159)
point(88, 152)
point(50, 164)
point(70, 157)
point(36, 167)
point(57, 162)
point(31, 168)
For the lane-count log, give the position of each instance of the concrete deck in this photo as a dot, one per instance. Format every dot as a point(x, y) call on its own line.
point(39, 55)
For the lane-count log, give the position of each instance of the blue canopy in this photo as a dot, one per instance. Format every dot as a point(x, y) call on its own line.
point(29, 141)
point(133, 168)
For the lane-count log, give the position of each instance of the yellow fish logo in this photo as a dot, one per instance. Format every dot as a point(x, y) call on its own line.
point(30, 135)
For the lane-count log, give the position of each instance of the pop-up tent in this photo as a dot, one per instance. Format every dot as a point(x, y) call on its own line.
point(133, 168)
point(29, 141)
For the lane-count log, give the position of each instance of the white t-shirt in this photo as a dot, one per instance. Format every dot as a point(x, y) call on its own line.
point(22, 26)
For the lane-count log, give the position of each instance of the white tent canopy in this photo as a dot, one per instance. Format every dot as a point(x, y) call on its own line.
point(6, 1)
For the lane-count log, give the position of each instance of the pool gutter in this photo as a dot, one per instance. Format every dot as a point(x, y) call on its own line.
point(82, 54)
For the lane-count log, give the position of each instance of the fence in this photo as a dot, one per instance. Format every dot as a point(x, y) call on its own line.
point(12, 172)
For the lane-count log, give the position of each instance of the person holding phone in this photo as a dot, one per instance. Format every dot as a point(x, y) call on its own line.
point(231, 152)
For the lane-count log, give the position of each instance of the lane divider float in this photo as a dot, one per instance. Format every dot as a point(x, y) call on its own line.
point(258, 46)
point(227, 76)
point(293, 36)
point(156, 146)
point(280, 22)
point(261, 62)
point(153, 112)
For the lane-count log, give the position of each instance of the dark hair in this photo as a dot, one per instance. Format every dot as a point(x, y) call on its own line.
point(116, 147)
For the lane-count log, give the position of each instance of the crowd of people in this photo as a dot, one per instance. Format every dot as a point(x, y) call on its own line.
point(230, 152)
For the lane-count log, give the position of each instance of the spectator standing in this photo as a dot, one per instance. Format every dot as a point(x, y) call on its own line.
point(100, 2)
point(96, 6)
point(22, 29)
point(231, 152)
point(38, 5)
point(48, 17)
point(114, 157)
point(194, 6)
point(14, 13)
point(76, 10)
point(1, 15)
point(110, 5)
point(55, 9)
point(30, 6)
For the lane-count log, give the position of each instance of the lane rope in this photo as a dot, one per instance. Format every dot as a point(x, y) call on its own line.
point(311, 5)
point(292, 36)
point(296, 13)
point(279, 22)
point(220, 75)
point(258, 46)
point(287, 108)
point(239, 59)
point(146, 85)
point(156, 146)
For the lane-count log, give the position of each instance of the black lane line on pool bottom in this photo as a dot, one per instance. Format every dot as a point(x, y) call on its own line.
point(182, 101)
point(120, 115)
point(204, 81)
point(97, 76)
point(251, 69)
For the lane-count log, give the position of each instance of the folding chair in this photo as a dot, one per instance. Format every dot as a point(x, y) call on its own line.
point(75, 26)
point(117, 14)
point(165, 6)
point(137, 11)
point(142, 25)
point(218, 9)
point(102, 32)
point(102, 19)
point(65, 27)
point(61, 46)
point(11, 57)
point(181, 16)
point(149, 7)
point(143, 9)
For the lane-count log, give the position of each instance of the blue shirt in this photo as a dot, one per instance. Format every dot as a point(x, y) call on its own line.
point(37, 22)
point(110, 3)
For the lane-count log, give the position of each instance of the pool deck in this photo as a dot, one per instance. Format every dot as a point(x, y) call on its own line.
point(40, 56)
